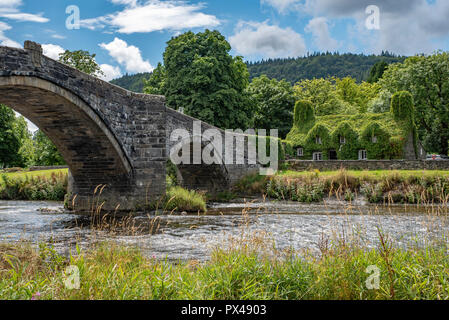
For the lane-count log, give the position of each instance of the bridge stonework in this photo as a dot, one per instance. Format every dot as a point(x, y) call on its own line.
point(115, 142)
point(107, 135)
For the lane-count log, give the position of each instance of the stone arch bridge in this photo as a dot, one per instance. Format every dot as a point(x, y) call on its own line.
point(107, 135)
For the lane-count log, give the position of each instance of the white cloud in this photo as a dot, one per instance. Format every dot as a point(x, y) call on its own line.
point(110, 72)
point(282, 5)
point(4, 40)
point(153, 15)
point(253, 39)
point(322, 39)
point(52, 50)
point(406, 26)
point(9, 9)
point(127, 55)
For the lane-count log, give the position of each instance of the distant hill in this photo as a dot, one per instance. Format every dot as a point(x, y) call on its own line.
point(320, 65)
point(132, 82)
point(317, 65)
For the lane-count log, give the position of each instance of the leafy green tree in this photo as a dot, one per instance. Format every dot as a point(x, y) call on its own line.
point(274, 102)
point(321, 93)
point(426, 78)
point(377, 71)
point(26, 151)
point(9, 140)
point(46, 153)
point(81, 60)
point(205, 80)
point(155, 84)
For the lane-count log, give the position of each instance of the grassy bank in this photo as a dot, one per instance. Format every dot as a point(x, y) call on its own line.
point(51, 185)
point(39, 185)
point(112, 272)
point(413, 187)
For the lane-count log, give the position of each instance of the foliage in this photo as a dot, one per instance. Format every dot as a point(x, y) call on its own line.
point(294, 70)
point(156, 81)
point(134, 83)
point(180, 199)
point(383, 186)
point(318, 138)
point(336, 96)
point(425, 77)
point(205, 80)
point(82, 61)
point(10, 139)
point(273, 104)
point(376, 141)
point(46, 153)
point(351, 147)
point(320, 65)
point(51, 188)
point(304, 113)
point(402, 107)
point(377, 71)
point(249, 270)
point(390, 135)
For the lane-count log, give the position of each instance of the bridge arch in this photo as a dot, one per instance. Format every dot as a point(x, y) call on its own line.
point(90, 149)
point(212, 177)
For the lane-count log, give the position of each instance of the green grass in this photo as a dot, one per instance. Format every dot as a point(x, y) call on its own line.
point(369, 174)
point(22, 175)
point(382, 186)
point(42, 185)
point(112, 272)
point(180, 199)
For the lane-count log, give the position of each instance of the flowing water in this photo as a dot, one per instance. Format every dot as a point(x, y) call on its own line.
point(192, 237)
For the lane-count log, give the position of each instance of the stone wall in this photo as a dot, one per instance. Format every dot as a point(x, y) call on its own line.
point(299, 165)
point(107, 135)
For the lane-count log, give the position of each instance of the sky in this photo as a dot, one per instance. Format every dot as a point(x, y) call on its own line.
point(129, 36)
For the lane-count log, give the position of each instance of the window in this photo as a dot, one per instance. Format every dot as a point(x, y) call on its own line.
point(363, 155)
point(318, 140)
point(317, 156)
point(374, 139)
point(300, 152)
point(342, 140)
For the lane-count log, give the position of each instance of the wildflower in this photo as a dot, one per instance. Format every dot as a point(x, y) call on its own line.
point(36, 296)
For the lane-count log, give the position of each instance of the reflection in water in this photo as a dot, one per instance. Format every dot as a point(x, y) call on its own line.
point(290, 225)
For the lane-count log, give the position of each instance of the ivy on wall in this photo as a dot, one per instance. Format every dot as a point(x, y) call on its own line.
point(383, 136)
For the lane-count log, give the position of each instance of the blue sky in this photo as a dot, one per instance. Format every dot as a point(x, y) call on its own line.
point(130, 36)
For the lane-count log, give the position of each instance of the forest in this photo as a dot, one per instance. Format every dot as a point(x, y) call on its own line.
point(316, 65)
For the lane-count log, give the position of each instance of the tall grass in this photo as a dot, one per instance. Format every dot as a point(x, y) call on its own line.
point(52, 188)
point(389, 187)
point(115, 272)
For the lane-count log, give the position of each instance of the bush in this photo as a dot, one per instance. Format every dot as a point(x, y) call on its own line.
point(180, 199)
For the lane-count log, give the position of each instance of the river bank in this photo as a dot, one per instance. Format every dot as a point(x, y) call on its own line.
point(246, 271)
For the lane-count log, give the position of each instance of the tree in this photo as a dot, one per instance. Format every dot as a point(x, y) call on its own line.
point(377, 71)
point(273, 102)
point(9, 140)
point(26, 150)
point(156, 83)
point(46, 153)
point(81, 60)
point(426, 78)
point(205, 80)
point(321, 93)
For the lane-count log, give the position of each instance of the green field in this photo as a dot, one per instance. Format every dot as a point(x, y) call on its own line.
point(22, 175)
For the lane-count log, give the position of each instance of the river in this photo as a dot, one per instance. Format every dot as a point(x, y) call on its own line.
point(285, 225)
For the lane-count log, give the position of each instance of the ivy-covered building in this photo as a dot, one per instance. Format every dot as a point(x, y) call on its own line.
point(363, 136)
